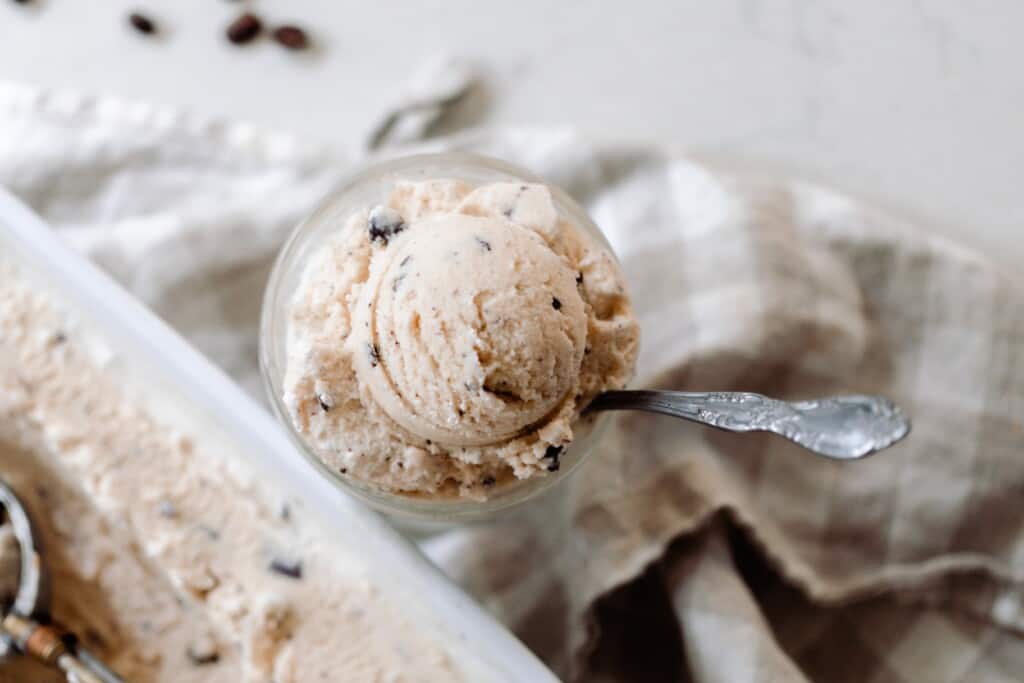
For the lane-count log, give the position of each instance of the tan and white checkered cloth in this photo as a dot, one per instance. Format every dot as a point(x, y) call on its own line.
point(678, 552)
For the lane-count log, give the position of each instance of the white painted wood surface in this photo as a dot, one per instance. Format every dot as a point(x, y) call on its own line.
point(916, 104)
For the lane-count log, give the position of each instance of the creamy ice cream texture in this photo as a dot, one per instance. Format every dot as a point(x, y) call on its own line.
point(446, 342)
point(171, 559)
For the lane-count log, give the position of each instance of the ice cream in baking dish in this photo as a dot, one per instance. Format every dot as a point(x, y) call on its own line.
point(173, 561)
point(446, 342)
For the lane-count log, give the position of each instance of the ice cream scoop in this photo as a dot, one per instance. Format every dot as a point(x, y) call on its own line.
point(469, 329)
point(24, 627)
point(444, 341)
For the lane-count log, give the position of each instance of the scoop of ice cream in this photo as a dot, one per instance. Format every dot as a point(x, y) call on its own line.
point(469, 330)
point(448, 341)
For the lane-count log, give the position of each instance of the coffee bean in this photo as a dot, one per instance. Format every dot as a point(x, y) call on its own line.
point(244, 29)
point(142, 23)
point(292, 37)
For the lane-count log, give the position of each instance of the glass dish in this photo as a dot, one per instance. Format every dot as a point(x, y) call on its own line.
point(368, 187)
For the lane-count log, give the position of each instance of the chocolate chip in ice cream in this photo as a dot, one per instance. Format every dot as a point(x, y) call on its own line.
point(202, 651)
point(384, 223)
point(290, 568)
point(326, 401)
point(484, 244)
point(553, 453)
point(374, 353)
point(488, 481)
point(555, 303)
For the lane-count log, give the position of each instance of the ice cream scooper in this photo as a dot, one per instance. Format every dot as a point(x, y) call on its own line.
point(25, 628)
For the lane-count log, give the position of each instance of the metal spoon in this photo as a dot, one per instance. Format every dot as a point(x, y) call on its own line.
point(840, 427)
point(25, 627)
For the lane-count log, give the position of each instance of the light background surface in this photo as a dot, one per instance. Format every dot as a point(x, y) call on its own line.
point(917, 105)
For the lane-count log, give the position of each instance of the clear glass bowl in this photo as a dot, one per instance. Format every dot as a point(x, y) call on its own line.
point(368, 187)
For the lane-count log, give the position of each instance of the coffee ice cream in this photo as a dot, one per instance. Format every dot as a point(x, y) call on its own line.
point(169, 557)
point(445, 343)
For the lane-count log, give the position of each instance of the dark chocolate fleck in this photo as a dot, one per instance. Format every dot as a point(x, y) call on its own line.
point(507, 213)
point(286, 512)
point(397, 282)
point(167, 509)
point(343, 470)
point(555, 303)
point(579, 278)
point(404, 262)
point(483, 243)
point(201, 657)
point(461, 412)
point(384, 223)
point(488, 481)
point(290, 568)
point(553, 453)
point(325, 401)
point(59, 338)
point(244, 29)
point(142, 23)
point(291, 37)
point(429, 442)
point(374, 354)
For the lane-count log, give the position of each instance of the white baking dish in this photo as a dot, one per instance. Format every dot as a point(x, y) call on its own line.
point(204, 401)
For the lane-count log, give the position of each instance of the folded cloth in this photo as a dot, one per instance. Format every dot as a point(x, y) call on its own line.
point(678, 552)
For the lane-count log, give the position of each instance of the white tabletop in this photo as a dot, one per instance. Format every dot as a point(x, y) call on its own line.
point(916, 104)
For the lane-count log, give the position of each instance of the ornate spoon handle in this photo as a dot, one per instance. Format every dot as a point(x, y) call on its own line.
point(841, 427)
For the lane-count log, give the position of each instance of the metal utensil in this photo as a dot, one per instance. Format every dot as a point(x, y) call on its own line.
point(840, 427)
point(26, 629)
